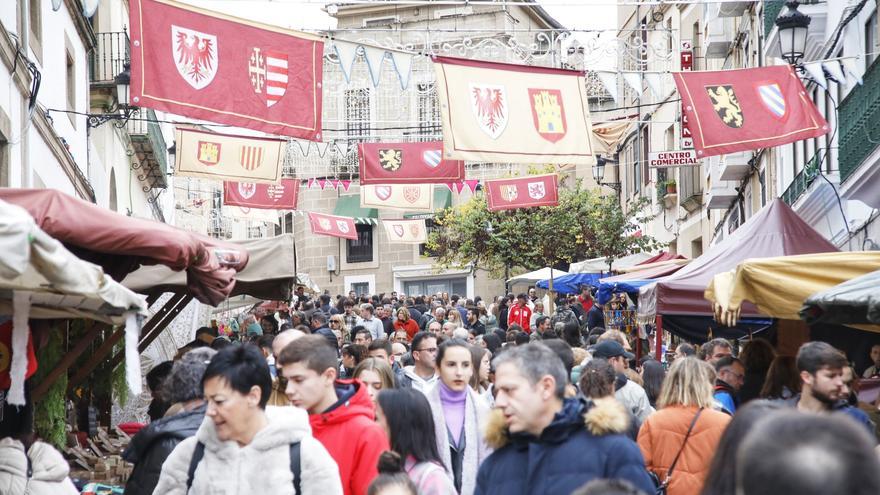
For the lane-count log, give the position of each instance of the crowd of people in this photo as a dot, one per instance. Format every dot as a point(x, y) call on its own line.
point(412, 395)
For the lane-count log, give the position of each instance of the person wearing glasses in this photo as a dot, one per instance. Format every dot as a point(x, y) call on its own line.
point(422, 376)
point(731, 373)
point(337, 324)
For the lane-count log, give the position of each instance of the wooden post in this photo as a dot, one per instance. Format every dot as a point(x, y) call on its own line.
point(168, 313)
point(552, 292)
point(659, 338)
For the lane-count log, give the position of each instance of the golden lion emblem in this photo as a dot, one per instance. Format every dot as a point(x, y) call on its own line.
point(390, 159)
point(726, 105)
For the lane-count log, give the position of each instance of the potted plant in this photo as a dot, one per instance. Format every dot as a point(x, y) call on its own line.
point(671, 187)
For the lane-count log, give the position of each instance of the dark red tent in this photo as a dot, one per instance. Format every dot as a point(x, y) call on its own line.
point(662, 256)
point(120, 244)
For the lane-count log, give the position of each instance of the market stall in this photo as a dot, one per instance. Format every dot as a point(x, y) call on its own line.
point(856, 301)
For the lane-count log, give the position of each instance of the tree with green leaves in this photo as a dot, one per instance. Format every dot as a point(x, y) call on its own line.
point(584, 225)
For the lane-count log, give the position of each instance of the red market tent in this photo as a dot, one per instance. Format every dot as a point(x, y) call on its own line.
point(662, 256)
point(120, 244)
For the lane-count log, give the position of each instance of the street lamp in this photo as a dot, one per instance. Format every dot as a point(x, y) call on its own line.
point(121, 110)
point(599, 174)
point(793, 27)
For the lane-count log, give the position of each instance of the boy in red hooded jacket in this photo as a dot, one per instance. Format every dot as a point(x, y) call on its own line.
point(340, 411)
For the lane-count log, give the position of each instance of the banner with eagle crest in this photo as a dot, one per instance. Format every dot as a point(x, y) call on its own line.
point(407, 163)
point(196, 63)
point(513, 113)
point(281, 196)
point(745, 109)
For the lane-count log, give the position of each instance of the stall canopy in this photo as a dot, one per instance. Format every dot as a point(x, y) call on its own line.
point(778, 286)
point(856, 301)
point(600, 265)
point(536, 276)
point(40, 278)
point(269, 274)
point(631, 282)
point(121, 244)
point(774, 231)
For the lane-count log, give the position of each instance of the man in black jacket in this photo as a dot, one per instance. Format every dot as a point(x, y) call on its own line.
point(152, 445)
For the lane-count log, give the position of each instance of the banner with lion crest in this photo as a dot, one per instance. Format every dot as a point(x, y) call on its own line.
point(407, 163)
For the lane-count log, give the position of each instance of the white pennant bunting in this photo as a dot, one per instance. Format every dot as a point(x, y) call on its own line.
point(816, 73)
point(849, 64)
point(835, 71)
point(403, 66)
point(374, 57)
point(655, 82)
point(609, 80)
point(634, 81)
point(346, 52)
point(322, 148)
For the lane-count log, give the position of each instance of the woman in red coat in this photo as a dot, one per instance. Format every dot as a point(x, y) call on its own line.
point(405, 323)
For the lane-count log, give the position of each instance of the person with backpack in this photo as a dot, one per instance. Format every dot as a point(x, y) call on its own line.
point(241, 447)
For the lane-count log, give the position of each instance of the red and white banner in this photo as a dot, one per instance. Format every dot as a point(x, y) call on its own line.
point(745, 109)
point(281, 196)
point(407, 163)
point(513, 113)
point(333, 226)
point(193, 62)
point(404, 197)
point(522, 192)
point(408, 231)
point(228, 157)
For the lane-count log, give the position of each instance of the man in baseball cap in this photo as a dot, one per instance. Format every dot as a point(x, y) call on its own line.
point(628, 392)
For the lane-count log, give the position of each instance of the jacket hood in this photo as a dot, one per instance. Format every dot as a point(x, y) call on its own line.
point(286, 425)
point(180, 426)
point(353, 401)
point(603, 416)
point(47, 463)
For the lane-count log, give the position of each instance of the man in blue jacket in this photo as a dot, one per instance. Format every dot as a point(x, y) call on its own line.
point(547, 444)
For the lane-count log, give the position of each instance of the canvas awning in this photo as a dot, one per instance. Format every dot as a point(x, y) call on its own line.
point(269, 274)
point(631, 282)
point(40, 278)
point(350, 206)
point(600, 265)
point(855, 301)
point(571, 283)
point(442, 200)
point(774, 231)
point(535, 276)
point(778, 286)
point(121, 244)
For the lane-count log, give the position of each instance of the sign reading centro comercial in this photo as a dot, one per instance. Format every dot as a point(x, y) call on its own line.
point(669, 159)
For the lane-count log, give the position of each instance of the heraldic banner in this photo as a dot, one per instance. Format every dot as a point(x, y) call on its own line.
point(522, 192)
point(746, 109)
point(252, 214)
point(228, 157)
point(333, 226)
point(211, 66)
point(405, 197)
point(407, 163)
point(513, 113)
point(406, 231)
point(281, 196)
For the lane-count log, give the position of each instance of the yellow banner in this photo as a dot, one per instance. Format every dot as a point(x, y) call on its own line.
point(228, 157)
point(405, 197)
point(513, 113)
point(406, 231)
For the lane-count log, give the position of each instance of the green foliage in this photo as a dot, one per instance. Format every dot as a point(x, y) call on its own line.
point(50, 418)
point(583, 225)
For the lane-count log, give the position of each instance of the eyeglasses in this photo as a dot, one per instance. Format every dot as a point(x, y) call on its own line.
point(429, 349)
point(335, 321)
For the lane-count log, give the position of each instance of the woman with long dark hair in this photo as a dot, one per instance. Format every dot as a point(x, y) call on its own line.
point(460, 415)
point(653, 374)
point(783, 379)
point(757, 355)
point(406, 417)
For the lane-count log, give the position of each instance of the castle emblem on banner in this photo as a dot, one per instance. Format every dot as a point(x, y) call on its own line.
point(268, 74)
point(509, 192)
point(548, 113)
point(208, 152)
point(195, 55)
point(489, 104)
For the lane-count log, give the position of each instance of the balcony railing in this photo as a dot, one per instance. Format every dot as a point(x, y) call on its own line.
point(111, 53)
point(859, 119)
point(150, 148)
point(804, 179)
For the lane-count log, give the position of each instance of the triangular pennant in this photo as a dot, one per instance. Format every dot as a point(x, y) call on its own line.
point(311, 183)
point(655, 82)
point(374, 57)
point(849, 65)
point(472, 184)
point(345, 185)
point(321, 183)
point(816, 73)
point(459, 187)
point(56, 4)
point(334, 183)
point(89, 7)
point(835, 71)
point(609, 80)
point(634, 81)
point(304, 151)
point(346, 53)
point(403, 66)
point(322, 148)
point(450, 186)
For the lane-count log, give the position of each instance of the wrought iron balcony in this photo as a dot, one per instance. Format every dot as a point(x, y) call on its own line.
point(150, 149)
point(111, 53)
point(804, 179)
point(859, 122)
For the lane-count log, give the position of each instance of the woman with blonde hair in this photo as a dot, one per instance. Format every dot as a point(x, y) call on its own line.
point(376, 375)
point(679, 440)
point(337, 322)
point(454, 316)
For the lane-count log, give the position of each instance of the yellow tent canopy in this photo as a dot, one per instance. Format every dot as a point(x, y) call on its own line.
point(778, 286)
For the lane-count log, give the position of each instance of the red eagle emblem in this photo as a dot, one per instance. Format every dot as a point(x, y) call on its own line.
point(196, 55)
point(489, 104)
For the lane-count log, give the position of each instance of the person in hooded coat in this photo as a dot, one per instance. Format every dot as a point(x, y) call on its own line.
point(152, 445)
point(546, 444)
point(247, 448)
